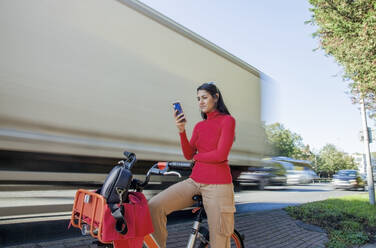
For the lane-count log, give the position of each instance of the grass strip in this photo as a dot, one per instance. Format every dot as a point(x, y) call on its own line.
point(349, 221)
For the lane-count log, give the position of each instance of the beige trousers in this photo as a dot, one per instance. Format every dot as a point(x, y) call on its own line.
point(218, 202)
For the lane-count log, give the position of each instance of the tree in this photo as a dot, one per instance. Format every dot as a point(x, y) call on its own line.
point(285, 142)
point(347, 31)
point(330, 160)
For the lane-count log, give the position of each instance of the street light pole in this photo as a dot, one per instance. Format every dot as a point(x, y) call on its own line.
point(371, 187)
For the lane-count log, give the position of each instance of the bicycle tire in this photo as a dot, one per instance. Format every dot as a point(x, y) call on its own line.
point(236, 239)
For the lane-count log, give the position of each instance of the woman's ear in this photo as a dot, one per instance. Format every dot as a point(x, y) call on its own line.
point(217, 96)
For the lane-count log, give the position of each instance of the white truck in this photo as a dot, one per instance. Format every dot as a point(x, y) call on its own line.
point(82, 81)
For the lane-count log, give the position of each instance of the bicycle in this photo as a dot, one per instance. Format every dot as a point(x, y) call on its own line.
point(198, 233)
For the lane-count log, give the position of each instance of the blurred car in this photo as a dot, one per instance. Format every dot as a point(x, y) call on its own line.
point(261, 176)
point(297, 171)
point(349, 179)
point(300, 176)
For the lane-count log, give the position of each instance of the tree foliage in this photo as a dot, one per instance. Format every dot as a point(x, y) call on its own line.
point(347, 31)
point(284, 142)
point(330, 160)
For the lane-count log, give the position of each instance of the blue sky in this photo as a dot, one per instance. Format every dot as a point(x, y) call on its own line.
point(309, 93)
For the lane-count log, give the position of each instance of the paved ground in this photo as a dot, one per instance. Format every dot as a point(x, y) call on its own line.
point(263, 227)
point(268, 229)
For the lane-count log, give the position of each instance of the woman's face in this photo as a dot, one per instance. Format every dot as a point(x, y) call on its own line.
point(206, 102)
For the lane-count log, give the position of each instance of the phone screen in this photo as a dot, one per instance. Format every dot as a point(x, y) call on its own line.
point(177, 107)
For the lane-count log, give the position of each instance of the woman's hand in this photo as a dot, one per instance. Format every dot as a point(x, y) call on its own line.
point(180, 121)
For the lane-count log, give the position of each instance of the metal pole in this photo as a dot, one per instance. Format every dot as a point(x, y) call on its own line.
point(371, 187)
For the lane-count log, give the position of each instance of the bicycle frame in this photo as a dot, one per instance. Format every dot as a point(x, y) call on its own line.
point(149, 241)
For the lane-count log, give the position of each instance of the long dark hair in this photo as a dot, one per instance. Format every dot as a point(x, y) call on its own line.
point(213, 90)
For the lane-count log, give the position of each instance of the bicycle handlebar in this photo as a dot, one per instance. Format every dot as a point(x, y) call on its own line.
point(180, 165)
point(160, 168)
point(163, 168)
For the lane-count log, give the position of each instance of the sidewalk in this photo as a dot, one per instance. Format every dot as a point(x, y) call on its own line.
point(268, 229)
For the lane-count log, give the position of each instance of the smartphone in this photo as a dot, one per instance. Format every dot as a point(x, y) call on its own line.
point(177, 107)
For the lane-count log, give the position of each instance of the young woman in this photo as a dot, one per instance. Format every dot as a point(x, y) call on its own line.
point(209, 147)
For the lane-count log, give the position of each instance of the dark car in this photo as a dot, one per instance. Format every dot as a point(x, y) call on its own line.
point(349, 179)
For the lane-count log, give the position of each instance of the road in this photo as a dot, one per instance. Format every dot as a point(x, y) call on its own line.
point(279, 197)
point(55, 224)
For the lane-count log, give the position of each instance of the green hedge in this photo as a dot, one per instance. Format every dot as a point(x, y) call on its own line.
point(349, 220)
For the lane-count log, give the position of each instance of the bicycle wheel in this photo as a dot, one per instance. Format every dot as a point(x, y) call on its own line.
point(203, 237)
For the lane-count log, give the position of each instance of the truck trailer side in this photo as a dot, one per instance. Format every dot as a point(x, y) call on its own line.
point(93, 78)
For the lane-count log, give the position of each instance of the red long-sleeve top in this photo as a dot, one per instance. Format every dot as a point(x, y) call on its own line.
point(209, 146)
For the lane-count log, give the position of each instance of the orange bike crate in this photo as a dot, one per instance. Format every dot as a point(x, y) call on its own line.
point(88, 213)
